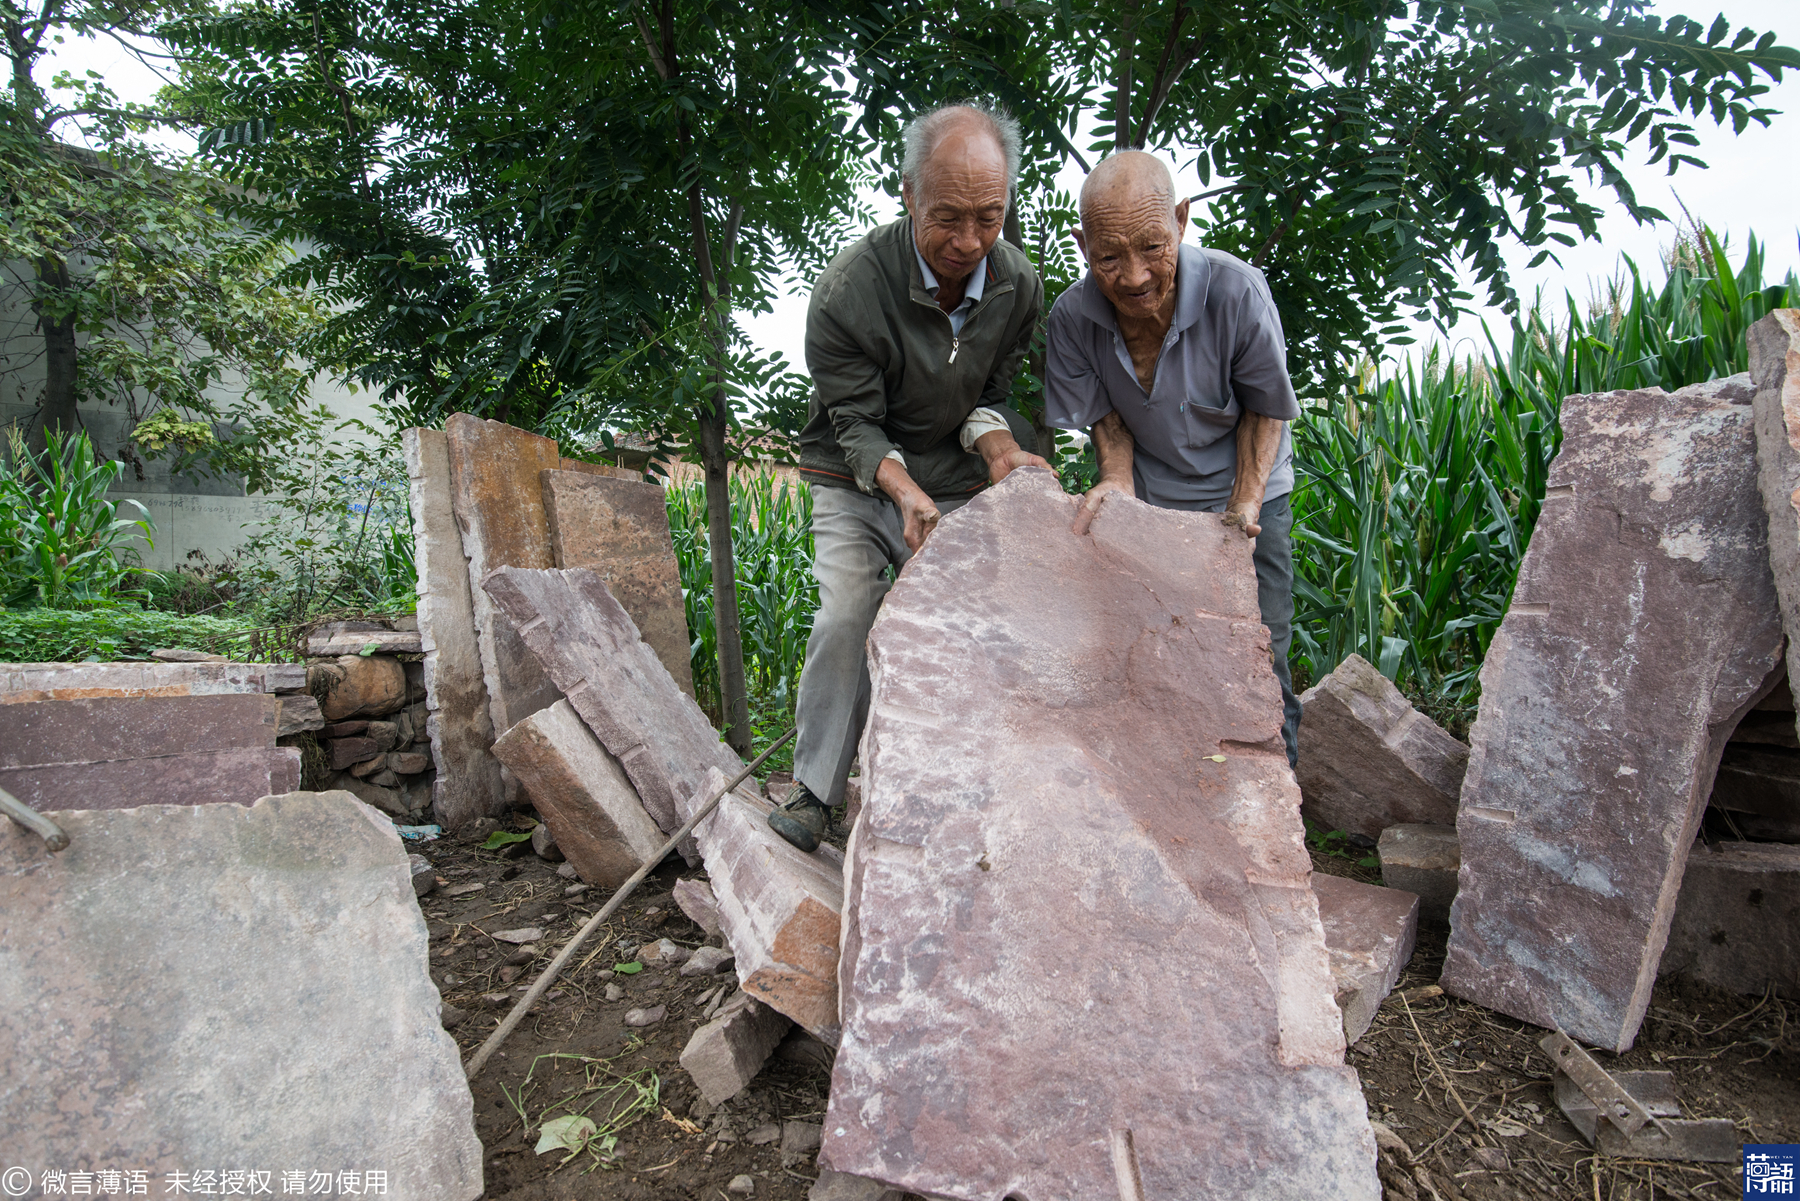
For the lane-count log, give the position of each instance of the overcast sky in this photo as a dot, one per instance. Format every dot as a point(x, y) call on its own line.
point(1751, 183)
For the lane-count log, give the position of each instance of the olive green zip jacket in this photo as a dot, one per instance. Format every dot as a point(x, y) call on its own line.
point(888, 374)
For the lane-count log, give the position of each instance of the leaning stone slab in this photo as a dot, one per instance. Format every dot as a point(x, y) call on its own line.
point(620, 529)
point(460, 722)
point(1369, 935)
point(778, 907)
point(582, 794)
point(1369, 760)
point(1643, 626)
point(1423, 860)
point(726, 1054)
point(1738, 923)
point(695, 897)
point(257, 997)
point(118, 752)
point(1774, 346)
point(22, 683)
point(1080, 946)
point(590, 647)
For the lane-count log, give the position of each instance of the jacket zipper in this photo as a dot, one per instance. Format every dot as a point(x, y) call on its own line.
point(955, 345)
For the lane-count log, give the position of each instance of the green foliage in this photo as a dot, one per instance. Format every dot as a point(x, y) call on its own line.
point(123, 632)
point(62, 542)
point(1417, 494)
point(772, 533)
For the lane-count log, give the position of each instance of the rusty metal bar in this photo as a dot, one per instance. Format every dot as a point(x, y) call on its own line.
point(32, 820)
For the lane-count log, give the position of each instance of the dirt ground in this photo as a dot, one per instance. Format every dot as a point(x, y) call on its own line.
point(1422, 1063)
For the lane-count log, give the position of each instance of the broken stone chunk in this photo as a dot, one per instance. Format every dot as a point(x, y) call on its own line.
point(661, 951)
point(726, 1054)
point(528, 934)
point(1644, 625)
point(695, 897)
point(707, 961)
point(1369, 760)
point(1076, 799)
point(297, 715)
point(283, 932)
point(645, 1017)
point(407, 763)
point(353, 686)
point(1423, 860)
point(543, 842)
point(1369, 935)
point(345, 752)
point(424, 876)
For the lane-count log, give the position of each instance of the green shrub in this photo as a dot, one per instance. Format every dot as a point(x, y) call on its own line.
point(67, 636)
point(62, 542)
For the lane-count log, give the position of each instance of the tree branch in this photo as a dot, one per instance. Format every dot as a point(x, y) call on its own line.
point(1122, 102)
point(656, 58)
point(1163, 82)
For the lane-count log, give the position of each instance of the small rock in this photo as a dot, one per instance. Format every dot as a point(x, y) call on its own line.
point(528, 934)
point(384, 777)
point(463, 890)
point(606, 974)
point(778, 785)
point(799, 1142)
point(763, 1135)
point(362, 769)
point(615, 993)
point(496, 1000)
point(1491, 1159)
point(424, 877)
point(386, 735)
point(521, 957)
point(741, 1186)
point(452, 1017)
point(408, 763)
point(661, 951)
point(708, 961)
point(567, 871)
point(544, 843)
point(508, 974)
point(645, 1017)
point(575, 890)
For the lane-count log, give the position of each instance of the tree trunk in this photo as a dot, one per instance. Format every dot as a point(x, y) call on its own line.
point(58, 409)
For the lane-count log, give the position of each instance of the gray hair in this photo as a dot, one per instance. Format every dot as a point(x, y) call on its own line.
point(922, 134)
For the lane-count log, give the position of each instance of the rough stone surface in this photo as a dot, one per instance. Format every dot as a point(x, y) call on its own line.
point(390, 801)
point(1072, 936)
point(1369, 760)
point(1759, 786)
point(354, 686)
point(343, 752)
point(1738, 923)
point(707, 961)
point(841, 1186)
point(460, 723)
point(297, 715)
point(498, 497)
point(582, 794)
point(1643, 625)
point(726, 1054)
point(329, 642)
point(695, 897)
point(22, 683)
point(612, 677)
point(778, 907)
point(1369, 936)
point(285, 938)
point(620, 529)
point(117, 752)
point(543, 844)
point(1423, 860)
point(1774, 346)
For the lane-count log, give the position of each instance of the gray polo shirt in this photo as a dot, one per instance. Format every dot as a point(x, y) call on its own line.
point(1224, 353)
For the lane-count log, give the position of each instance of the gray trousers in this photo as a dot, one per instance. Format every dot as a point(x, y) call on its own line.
point(856, 538)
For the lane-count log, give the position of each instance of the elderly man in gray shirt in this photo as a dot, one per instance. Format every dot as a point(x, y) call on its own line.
point(1173, 356)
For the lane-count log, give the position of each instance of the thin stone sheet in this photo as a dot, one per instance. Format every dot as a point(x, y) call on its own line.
point(1079, 939)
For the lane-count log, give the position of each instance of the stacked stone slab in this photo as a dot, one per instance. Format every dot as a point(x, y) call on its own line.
point(619, 528)
point(582, 794)
point(1774, 346)
point(1080, 948)
point(23, 683)
point(256, 999)
point(1369, 760)
point(1643, 626)
point(116, 752)
point(1422, 859)
point(374, 733)
point(1738, 923)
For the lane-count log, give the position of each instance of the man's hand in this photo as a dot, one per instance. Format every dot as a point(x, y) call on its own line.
point(1096, 496)
point(1003, 454)
point(918, 515)
point(1243, 515)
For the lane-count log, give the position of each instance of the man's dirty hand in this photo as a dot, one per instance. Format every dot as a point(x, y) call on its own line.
point(1096, 496)
point(1003, 455)
point(1243, 514)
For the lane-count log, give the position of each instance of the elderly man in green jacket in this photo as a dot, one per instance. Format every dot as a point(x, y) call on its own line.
point(913, 337)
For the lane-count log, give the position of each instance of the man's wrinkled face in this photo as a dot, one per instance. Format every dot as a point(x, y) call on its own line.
point(958, 203)
point(1132, 240)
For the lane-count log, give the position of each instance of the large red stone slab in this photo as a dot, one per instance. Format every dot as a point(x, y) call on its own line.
point(620, 529)
point(1079, 938)
point(1774, 346)
point(1644, 625)
point(590, 647)
point(1369, 760)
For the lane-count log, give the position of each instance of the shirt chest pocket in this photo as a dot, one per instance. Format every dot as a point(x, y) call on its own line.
point(1205, 416)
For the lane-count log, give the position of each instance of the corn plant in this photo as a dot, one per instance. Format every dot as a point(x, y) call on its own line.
point(1416, 496)
point(771, 522)
point(63, 544)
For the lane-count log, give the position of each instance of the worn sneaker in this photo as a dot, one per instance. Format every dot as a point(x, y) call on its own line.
point(801, 819)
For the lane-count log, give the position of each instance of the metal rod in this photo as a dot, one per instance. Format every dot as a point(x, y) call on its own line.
point(32, 820)
point(481, 1056)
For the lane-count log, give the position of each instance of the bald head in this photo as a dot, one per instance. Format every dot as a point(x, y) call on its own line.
point(1129, 178)
point(1131, 227)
